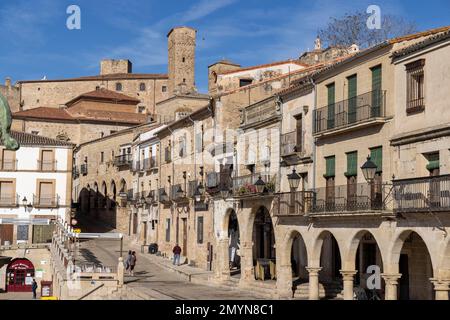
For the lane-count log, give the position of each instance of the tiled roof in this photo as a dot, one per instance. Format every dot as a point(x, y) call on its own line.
point(267, 65)
point(28, 139)
point(44, 113)
point(420, 34)
point(104, 94)
point(115, 76)
point(422, 44)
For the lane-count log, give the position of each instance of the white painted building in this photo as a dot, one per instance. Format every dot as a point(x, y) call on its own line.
point(35, 182)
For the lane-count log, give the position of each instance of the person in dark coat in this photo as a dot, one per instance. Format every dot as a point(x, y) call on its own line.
point(34, 287)
point(176, 254)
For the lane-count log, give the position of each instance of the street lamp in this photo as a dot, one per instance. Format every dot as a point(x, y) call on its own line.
point(260, 185)
point(224, 191)
point(163, 196)
point(24, 201)
point(180, 192)
point(198, 194)
point(294, 180)
point(369, 170)
point(201, 188)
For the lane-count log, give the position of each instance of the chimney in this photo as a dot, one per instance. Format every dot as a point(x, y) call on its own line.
point(8, 82)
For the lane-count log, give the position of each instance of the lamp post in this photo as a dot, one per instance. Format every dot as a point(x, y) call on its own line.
point(369, 170)
point(294, 181)
point(198, 194)
point(224, 191)
point(260, 185)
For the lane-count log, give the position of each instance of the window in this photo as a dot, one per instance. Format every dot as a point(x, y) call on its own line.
point(118, 86)
point(331, 101)
point(184, 59)
point(184, 80)
point(142, 86)
point(7, 193)
point(164, 89)
point(199, 230)
point(8, 160)
point(102, 157)
point(352, 99)
point(376, 155)
point(167, 230)
point(330, 163)
point(415, 93)
point(22, 232)
point(299, 133)
point(45, 194)
point(141, 109)
point(245, 82)
point(47, 160)
point(35, 132)
point(352, 164)
point(433, 163)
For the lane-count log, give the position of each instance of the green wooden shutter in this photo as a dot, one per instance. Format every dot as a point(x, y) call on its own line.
point(352, 92)
point(376, 91)
point(433, 161)
point(352, 164)
point(330, 163)
point(331, 102)
point(376, 155)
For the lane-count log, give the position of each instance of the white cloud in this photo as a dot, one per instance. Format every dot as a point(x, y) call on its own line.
point(204, 8)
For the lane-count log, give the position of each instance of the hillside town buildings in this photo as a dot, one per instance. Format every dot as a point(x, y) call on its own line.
point(294, 178)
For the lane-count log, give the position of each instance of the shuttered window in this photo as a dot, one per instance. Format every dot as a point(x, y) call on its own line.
point(46, 196)
point(433, 161)
point(7, 193)
point(376, 155)
point(376, 91)
point(352, 92)
point(330, 163)
point(331, 101)
point(8, 160)
point(352, 164)
point(47, 160)
point(200, 230)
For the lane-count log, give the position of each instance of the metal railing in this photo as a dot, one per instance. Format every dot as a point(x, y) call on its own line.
point(8, 165)
point(243, 185)
point(9, 200)
point(259, 112)
point(293, 203)
point(355, 110)
point(47, 165)
point(136, 166)
point(350, 198)
point(422, 194)
point(123, 160)
point(45, 201)
point(150, 163)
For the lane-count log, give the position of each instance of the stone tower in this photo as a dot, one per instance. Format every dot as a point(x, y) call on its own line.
point(181, 47)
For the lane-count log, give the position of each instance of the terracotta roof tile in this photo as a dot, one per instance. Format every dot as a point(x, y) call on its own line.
point(28, 139)
point(44, 113)
point(266, 66)
point(104, 94)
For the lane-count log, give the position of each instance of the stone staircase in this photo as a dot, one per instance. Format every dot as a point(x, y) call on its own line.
point(329, 291)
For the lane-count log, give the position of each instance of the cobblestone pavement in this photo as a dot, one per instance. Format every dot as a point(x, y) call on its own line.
point(154, 280)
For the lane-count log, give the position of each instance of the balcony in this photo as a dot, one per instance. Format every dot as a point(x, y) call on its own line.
point(292, 203)
point(45, 201)
point(9, 200)
point(427, 194)
point(123, 160)
point(245, 185)
point(150, 164)
point(216, 180)
point(8, 165)
point(350, 199)
point(289, 144)
point(84, 169)
point(46, 165)
point(136, 166)
point(352, 113)
point(260, 113)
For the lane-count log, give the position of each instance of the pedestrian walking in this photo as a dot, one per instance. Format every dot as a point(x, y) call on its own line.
point(132, 262)
point(127, 260)
point(176, 254)
point(34, 287)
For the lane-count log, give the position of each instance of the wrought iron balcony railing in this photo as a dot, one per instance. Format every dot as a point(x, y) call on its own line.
point(293, 203)
point(123, 160)
point(362, 108)
point(9, 200)
point(350, 198)
point(8, 165)
point(150, 163)
point(47, 165)
point(244, 185)
point(44, 201)
point(422, 194)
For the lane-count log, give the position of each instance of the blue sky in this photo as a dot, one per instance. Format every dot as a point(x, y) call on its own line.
point(35, 41)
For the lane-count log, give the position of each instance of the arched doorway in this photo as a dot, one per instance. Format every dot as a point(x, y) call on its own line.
point(19, 275)
point(264, 245)
point(331, 264)
point(234, 244)
point(113, 194)
point(299, 260)
point(414, 263)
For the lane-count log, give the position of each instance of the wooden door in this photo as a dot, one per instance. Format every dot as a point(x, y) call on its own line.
point(329, 195)
point(6, 233)
point(403, 288)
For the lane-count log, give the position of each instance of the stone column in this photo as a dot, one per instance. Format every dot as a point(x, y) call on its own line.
point(120, 272)
point(314, 282)
point(441, 288)
point(247, 270)
point(284, 281)
point(347, 277)
point(223, 260)
point(391, 281)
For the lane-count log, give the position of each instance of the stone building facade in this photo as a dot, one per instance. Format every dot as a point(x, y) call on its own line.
point(11, 93)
